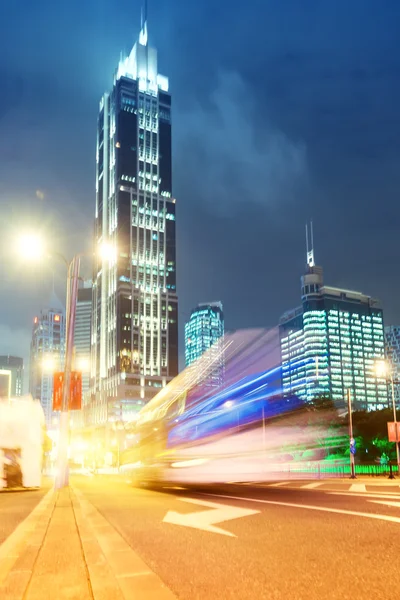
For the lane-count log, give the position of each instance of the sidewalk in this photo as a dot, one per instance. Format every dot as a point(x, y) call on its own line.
point(66, 549)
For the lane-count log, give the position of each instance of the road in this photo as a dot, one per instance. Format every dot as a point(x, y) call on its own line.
point(16, 506)
point(270, 542)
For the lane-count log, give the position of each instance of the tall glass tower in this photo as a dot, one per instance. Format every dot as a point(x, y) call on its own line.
point(331, 344)
point(135, 305)
point(204, 334)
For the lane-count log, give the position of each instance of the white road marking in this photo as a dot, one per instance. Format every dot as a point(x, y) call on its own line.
point(386, 503)
point(279, 484)
point(365, 495)
point(206, 519)
point(311, 486)
point(310, 507)
point(358, 487)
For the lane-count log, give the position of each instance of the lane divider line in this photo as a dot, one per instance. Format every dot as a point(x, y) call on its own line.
point(339, 511)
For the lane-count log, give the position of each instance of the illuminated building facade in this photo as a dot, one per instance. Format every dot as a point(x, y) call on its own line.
point(204, 331)
point(15, 366)
point(82, 333)
point(134, 345)
point(392, 352)
point(331, 344)
point(47, 356)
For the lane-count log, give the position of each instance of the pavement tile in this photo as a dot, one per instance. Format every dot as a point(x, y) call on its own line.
point(26, 561)
point(60, 571)
point(126, 562)
point(132, 577)
point(104, 585)
point(15, 585)
point(145, 587)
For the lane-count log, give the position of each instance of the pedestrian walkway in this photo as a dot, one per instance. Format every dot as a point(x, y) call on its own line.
point(66, 549)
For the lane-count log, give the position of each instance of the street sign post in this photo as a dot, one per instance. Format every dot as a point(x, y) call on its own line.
point(393, 431)
point(353, 446)
point(75, 393)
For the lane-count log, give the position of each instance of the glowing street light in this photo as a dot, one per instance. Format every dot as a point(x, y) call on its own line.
point(381, 368)
point(107, 251)
point(31, 246)
point(49, 364)
point(83, 364)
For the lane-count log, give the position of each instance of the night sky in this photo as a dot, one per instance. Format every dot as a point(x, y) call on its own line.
point(283, 111)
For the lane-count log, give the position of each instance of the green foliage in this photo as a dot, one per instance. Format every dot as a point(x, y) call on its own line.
point(370, 433)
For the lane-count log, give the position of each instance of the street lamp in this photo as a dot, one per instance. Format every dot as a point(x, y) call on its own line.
point(383, 371)
point(352, 443)
point(32, 246)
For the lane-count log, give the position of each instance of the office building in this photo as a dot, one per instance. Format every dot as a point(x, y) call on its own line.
point(331, 344)
point(47, 355)
point(204, 332)
point(135, 306)
point(392, 352)
point(15, 366)
point(82, 333)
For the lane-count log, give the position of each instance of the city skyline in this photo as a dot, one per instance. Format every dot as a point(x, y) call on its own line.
point(210, 102)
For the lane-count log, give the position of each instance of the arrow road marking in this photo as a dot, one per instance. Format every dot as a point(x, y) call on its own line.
point(206, 519)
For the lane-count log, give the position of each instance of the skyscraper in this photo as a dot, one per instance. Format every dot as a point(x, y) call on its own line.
point(82, 333)
point(47, 354)
point(331, 343)
point(392, 352)
point(135, 304)
point(15, 366)
point(203, 332)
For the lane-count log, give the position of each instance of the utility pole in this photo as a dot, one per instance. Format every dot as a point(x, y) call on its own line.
point(351, 439)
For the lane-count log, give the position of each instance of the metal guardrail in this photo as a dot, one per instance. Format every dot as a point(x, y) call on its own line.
point(321, 470)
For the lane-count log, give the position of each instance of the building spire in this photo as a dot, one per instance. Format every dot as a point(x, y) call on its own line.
point(310, 245)
point(143, 37)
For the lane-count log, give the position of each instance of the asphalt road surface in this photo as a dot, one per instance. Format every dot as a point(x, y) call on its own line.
point(257, 541)
point(16, 506)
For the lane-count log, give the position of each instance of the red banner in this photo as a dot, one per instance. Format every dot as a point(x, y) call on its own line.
point(75, 391)
point(58, 382)
point(392, 431)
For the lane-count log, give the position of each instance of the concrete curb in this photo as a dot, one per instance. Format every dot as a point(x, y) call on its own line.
point(116, 571)
point(18, 490)
point(19, 551)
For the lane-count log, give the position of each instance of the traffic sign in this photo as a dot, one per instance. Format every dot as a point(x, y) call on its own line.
point(392, 431)
point(353, 446)
point(75, 393)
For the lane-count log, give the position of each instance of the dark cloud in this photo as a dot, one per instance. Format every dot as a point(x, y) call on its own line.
point(231, 158)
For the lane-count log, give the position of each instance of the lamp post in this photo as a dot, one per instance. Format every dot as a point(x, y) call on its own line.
point(33, 248)
point(383, 369)
point(62, 476)
point(351, 439)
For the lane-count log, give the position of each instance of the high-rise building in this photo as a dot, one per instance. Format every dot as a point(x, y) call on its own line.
point(392, 352)
point(135, 304)
point(82, 333)
point(331, 344)
point(15, 366)
point(204, 332)
point(47, 355)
